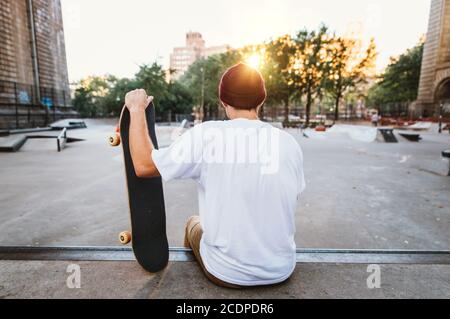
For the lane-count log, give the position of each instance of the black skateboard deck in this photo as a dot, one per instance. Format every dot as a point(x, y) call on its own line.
point(146, 199)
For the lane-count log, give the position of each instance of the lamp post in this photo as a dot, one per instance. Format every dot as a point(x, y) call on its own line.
point(441, 108)
point(202, 103)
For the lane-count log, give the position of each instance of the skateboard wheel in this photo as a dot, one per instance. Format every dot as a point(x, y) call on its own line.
point(125, 237)
point(114, 140)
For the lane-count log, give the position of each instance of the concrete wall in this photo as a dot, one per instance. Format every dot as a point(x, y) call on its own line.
point(436, 59)
point(50, 44)
point(16, 67)
point(15, 54)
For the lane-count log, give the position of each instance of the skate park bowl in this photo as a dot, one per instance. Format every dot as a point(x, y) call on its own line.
point(368, 134)
point(365, 134)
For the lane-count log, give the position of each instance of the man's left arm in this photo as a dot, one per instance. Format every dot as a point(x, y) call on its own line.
point(141, 146)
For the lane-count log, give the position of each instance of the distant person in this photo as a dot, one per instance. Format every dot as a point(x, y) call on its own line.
point(375, 119)
point(249, 176)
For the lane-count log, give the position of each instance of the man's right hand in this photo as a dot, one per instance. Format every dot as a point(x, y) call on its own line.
point(137, 100)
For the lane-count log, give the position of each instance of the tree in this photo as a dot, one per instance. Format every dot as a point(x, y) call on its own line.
point(400, 81)
point(90, 94)
point(197, 80)
point(105, 96)
point(180, 100)
point(114, 101)
point(345, 67)
point(307, 64)
point(152, 78)
point(276, 72)
point(203, 77)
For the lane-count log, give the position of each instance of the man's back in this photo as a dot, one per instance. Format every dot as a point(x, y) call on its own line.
point(249, 175)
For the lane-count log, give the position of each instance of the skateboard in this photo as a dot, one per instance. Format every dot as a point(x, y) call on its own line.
point(146, 199)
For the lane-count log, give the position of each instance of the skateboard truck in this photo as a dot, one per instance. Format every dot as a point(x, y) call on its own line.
point(125, 237)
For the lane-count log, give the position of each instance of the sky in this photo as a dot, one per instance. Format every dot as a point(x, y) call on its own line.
point(116, 36)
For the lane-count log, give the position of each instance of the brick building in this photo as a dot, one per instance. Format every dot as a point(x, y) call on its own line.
point(34, 86)
point(434, 88)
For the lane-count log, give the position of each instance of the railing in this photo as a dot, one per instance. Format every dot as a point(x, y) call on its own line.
point(24, 94)
point(395, 110)
point(19, 108)
point(61, 141)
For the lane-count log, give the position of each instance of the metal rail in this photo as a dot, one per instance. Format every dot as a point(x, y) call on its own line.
point(336, 256)
point(61, 140)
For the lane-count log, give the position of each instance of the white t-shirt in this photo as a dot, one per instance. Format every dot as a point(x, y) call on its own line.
point(249, 176)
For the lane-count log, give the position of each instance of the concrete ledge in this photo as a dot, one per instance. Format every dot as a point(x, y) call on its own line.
point(446, 154)
point(30, 130)
point(12, 143)
point(48, 279)
point(412, 137)
point(342, 256)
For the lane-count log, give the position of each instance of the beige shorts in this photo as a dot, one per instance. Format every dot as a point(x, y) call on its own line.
point(193, 236)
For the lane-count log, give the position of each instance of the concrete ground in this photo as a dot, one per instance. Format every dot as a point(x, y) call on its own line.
point(359, 195)
point(185, 280)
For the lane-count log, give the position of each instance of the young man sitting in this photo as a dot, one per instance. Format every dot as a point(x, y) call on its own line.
point(249, 176)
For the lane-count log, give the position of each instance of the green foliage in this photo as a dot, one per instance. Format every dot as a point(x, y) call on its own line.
point(91, 93)
point(114, 101)
point(203, 77)
point(400, 81)
point(179, 100)
point(303, 67)
point(152, 78)
point(308, 67)
point(275, 72)
point(308, 64)
point(345, 69)
point(105, 96)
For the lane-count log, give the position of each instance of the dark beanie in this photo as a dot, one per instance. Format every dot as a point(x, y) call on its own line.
point(242, 87)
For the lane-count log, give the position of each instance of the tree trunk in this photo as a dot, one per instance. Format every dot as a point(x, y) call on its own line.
point(286, 110)
point(308, 107)
point(336, 108)
point(205, 113)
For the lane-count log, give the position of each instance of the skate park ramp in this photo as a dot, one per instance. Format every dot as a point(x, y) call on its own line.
point(12, 143)
point(358, 133)
point(68, 124)
point(419, 126)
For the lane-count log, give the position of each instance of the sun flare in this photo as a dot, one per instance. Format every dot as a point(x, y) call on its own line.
point(254, 61)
